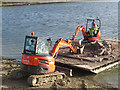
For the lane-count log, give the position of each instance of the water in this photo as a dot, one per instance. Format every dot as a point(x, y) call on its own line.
point(107, 78)
point(54, 21)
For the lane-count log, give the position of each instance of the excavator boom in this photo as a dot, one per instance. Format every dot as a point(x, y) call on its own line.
point(59, 44)
point(79, 28)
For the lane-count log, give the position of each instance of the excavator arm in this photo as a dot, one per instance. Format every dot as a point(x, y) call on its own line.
point(59, 44)
point(79, 28)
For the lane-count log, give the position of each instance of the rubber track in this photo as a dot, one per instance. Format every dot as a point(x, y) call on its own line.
point(45, 79)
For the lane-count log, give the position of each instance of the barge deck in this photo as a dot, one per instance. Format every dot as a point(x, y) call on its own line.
point(90, 59)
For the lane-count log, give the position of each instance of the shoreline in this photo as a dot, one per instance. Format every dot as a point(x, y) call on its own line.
point(7, 4)
point(22, 3)
point(8, 83)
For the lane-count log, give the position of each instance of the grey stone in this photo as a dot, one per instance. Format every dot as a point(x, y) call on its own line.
point(108, 51)
point(100, 44)
point(109, 46)
point(101, 59)
point(93, 42)
point(102, 52)
point(105, 42)
point(95, 56)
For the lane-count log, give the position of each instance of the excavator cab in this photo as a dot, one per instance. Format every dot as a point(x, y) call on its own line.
point(92, 33)
point(36, 46)
point(35, 56)
point(37, 62)
point(91, 21)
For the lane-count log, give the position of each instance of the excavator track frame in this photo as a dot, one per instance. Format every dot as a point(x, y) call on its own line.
point(42, 80)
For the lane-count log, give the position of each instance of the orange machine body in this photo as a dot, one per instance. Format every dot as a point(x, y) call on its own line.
point(95, 38)
point(85, 32)
point(38, 60)
point(46, 63)
point(59, 44)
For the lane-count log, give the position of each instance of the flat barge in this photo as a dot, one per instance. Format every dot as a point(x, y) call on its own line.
point(92, 59)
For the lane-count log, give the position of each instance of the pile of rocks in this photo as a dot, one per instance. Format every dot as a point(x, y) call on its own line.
point(98, 48)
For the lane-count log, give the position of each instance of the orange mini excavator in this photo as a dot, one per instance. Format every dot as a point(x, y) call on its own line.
point(37, 60)
point(89, 26)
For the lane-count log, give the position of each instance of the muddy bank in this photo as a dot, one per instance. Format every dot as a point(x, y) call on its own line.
point(77, 81)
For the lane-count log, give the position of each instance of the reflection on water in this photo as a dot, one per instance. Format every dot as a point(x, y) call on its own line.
point(108, 77)
point(54, 21)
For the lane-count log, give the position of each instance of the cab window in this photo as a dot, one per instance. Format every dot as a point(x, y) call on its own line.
point(30, 44)
point(42, 47)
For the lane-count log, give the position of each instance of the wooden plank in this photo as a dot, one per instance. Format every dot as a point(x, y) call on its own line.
point(105, 67)
point(95, 70)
